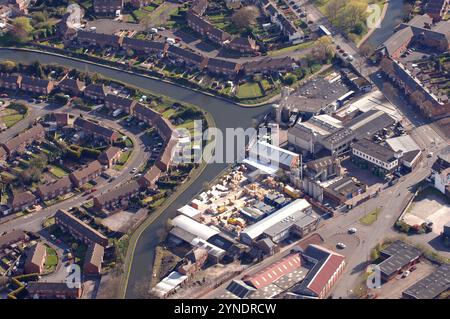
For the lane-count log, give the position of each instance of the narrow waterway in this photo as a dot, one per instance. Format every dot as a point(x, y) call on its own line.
point(225, 114)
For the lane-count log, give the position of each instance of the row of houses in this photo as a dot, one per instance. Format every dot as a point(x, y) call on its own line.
point(277, 17)
point(424, 30)
point(29, 84)
point(198, 23)
point(186, 56)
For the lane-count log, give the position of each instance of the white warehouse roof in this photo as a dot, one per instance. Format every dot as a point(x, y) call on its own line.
point(189, 211)
point(168, 284)
point(260, 227)
point(195, 228)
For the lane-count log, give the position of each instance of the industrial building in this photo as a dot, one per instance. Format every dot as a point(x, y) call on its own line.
point(268, 154)
point(397, 257)
point(380, 159)
point(431, 286)
point(325, 266)
point(297, 217)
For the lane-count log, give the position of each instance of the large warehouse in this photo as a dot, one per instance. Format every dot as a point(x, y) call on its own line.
point(193, 227)
point(296, 217)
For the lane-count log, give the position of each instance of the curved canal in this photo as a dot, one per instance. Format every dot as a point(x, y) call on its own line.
point(225, 114)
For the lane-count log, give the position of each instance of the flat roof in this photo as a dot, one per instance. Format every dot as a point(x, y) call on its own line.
point(377, 151)
point(399, 254)
point(260, 227)
point(432, 285)
point(402, 143)
point(189, 211)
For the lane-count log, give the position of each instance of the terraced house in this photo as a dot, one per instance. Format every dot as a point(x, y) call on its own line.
point(79, 230)
point(223, 67)
point(96, 129)
point(18, 143)
point(107, 7)
point(10, 81)
point(52, 190)
point(72, 86)
point(85, 174)
point(21, 201)
point(86, 38)
point(114, 102)
point(117, 198)
point(96, 92)
point(37, 85)
point(34, 264)
point(94, 258)
point(189, 58)
point(144, 46)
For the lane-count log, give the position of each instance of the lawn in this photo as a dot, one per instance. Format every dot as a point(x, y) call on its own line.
point(370, 218)
point(249, 91)
point(13, 114)
point(291, 48)
point(58, 171)
point(51, 261)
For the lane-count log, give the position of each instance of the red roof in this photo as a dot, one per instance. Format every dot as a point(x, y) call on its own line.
point(329, 267)
point(275, 271)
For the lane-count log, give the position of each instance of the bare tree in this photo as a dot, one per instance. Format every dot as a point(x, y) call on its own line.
point(333, 7)
point(387, 66)
point(245, 17)
point(388, 89)
point(367, 49)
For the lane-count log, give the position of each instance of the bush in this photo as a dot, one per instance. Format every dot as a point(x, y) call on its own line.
point(402, 226)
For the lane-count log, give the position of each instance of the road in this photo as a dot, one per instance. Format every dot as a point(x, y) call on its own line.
point(225, 115)
point(32, 222)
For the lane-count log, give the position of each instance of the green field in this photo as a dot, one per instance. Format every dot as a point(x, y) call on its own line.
point(249, 91)
point(370, 218)
point(58, 171)
point(12, 114)
point(51, 261)
point(291, 48)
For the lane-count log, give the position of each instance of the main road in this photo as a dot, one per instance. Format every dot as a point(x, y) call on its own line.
point(225, 114)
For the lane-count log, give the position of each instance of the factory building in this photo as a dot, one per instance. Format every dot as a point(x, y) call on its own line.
point(297, 217)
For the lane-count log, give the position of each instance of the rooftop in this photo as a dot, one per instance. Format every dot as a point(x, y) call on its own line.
point(398, 255)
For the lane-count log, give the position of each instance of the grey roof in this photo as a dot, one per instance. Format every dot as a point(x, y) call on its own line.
point(276, 155)
point(299, 219)
point(398, 255)
point(397, 40)
point(93, 127)
point(370, 122)
point(82, 228)
point(119, 192)
point(377, 151)
point(431, 286)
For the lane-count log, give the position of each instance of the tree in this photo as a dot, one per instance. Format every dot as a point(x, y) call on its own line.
point(8, 66)
point(417, 98)
point(333, 7)
point(245, 17)
point(21, 30)
point(367, 49)
point(354, 12)
point(323, 49)
point(388, 89)
point(387, 66)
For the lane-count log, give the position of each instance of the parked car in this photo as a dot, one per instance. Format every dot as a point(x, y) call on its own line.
point(352, 230)
point(341, 245)
point(406, 274)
